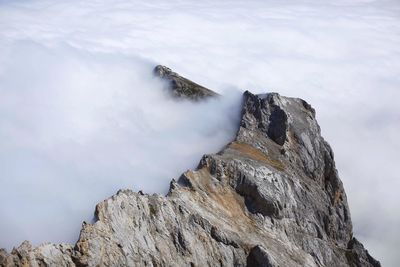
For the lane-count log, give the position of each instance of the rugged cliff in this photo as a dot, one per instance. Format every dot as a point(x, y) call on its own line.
point(271, 197)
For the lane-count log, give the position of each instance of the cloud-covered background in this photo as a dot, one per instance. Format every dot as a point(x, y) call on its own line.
point(81, 115)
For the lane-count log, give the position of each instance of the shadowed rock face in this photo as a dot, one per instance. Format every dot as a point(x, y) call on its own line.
point(271, 197)
point(258, 257)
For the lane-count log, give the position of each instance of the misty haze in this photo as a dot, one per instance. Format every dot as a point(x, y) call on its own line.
point(83, 115)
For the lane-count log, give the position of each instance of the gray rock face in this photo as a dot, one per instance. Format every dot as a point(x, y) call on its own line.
point(272, 197)
point(181, 87)
point(358, 256)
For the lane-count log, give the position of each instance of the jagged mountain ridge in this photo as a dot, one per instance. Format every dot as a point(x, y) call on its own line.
point(271, 197)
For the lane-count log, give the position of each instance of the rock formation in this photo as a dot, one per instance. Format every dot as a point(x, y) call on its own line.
point(271, 197)
point(181, 87)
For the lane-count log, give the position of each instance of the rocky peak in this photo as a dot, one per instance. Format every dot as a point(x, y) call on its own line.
point(286, 129)
point(271, 197)
point(181, 87)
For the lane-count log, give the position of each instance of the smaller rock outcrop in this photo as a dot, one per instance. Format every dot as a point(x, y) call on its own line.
point(181, 87)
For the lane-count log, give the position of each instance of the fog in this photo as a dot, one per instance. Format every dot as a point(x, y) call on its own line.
point(82, 115)
point(76, 127)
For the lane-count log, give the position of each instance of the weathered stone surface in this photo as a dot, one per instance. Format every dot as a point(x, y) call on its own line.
point(181, 87)
point(271, 197)
point(44, 255)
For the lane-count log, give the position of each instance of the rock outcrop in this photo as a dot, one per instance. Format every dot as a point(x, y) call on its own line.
point(271, 197)
point(181, 87)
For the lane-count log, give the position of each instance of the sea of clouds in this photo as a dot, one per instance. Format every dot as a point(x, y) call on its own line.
point(82, 116)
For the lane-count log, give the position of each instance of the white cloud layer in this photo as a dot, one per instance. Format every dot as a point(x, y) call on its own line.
point(82, 116)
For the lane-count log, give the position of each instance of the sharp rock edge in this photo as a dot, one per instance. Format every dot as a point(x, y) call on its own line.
point(272, 197)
